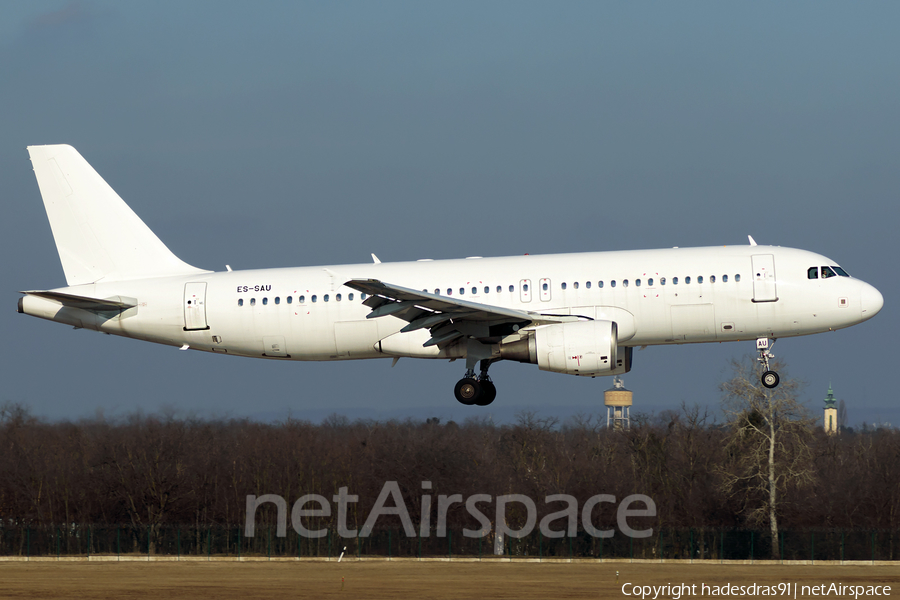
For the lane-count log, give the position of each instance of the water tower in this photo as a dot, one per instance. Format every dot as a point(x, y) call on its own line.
point(618, 405)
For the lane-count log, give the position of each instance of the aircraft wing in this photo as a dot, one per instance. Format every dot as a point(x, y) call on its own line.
point(447, 318)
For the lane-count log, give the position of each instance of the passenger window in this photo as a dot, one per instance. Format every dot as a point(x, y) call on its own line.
point(712, 278)
point(325, 298)
point(487, 290)
point(840, 272)
point(576, 285)
point(252, 301)
point(827, 272)
point(499, 288)
point(290, 299)
point(350, 296)
point(240, 301)
point(674, 281)
point(737, 277)
point(362, 296)
point(525, 287)
point(700, 279)
point(314, 298)
point(265, 301)
point(687, 280)
point(449, 292)
point(462, 291)
point(562, 285)
point(599, 284)
point(612, 283)
point(337, 297)
point(662, 281)
point(637, 282)
point(301, 299)
point(650, 282)
point(512, 288)
point(624, 283)
point(724, 278)
point(587, 284)
point(277, 299)
point(474, 291)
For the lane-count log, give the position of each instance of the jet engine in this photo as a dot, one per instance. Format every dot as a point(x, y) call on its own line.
point(585, 348)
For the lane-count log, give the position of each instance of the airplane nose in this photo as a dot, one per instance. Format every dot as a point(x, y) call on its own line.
point(871, 301)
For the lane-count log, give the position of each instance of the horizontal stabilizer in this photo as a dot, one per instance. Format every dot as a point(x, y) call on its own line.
point(83, 302)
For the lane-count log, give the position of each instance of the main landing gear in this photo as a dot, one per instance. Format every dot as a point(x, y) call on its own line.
point(479, 391)
point(770, 378)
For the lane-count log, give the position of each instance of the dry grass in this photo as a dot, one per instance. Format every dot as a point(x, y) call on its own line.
point(438, 580)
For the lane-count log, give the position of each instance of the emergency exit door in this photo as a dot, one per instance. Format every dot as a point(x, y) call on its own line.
point(195, 307)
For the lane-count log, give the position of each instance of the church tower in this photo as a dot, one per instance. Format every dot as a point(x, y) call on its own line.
point(831, 420)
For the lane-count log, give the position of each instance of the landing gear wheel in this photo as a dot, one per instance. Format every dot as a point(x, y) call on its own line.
point(770, 379)
point(467, 391)
point(488, 393)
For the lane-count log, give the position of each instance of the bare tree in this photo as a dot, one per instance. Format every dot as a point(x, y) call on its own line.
point(768, 447)
point(841, 415)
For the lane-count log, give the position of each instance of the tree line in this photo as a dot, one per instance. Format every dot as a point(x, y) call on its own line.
point(160, 470)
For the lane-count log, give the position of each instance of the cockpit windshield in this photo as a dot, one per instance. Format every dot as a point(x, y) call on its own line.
point(832, 271)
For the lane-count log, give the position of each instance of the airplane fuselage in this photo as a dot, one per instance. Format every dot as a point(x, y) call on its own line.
point(668, 296)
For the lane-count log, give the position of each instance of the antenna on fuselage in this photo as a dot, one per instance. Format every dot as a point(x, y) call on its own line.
point(752, 241)
point(375, 259)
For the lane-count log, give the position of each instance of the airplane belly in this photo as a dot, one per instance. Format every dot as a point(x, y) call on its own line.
point(356, 339)
point(693, 322)
point(311, 335)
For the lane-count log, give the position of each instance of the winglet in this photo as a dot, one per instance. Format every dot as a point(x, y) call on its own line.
point(375, 259)
point(752, 241)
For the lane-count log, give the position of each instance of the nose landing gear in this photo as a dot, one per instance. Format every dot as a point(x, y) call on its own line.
point(770, 378)
point(479, 391)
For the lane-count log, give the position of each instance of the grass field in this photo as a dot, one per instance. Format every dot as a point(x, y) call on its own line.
point(366, 579)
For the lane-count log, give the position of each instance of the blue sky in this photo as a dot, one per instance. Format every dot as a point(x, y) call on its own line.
point(297, 133)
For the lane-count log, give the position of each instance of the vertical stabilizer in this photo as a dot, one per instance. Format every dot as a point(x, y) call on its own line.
point(97, 235)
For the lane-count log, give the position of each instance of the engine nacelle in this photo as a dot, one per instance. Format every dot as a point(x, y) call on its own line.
point(585, 348)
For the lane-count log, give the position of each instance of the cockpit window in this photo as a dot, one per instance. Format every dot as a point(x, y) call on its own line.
point(827, 272)
point(840, 271)
point(812, 273)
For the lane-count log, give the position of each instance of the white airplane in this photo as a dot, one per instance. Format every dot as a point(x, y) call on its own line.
point(579, 314)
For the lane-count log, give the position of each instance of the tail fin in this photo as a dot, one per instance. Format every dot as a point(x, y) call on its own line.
point(98, 237)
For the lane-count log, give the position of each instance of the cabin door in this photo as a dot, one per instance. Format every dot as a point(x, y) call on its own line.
point(764, 278)
point(195, 307)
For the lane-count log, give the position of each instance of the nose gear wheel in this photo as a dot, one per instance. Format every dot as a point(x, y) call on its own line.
point(770, 378)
